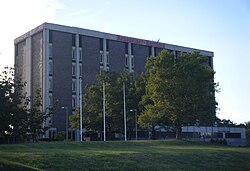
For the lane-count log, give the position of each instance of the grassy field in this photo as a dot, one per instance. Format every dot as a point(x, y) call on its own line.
point(119, 155)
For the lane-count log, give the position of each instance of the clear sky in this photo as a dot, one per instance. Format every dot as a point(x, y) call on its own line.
point(221, 26)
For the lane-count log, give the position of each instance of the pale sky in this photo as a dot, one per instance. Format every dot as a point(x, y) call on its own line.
point(221, 26)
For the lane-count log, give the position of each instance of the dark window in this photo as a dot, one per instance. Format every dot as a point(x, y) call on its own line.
point(50, 36)
point(149, 51)
point(233, 135)
point(170, 51)
point(177, 54)
point(126, 61)
point(80, 40)
point(126, 48)
point(101, 58)
point(210, 61)
point(73, 40)
point(101, 44)
point(132, 63)
point(50, 51)
point(107, 59)
point(132, 49)
point(155, 52)
point(217, 135)
point(107, 45)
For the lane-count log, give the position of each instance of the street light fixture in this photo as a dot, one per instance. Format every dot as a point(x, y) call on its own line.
point(67, 122)
point(134, 110)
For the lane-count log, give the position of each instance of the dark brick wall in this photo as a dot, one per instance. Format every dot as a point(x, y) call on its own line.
point(116, 56)
point(36, 63)
point(62, 75)
point(90, 63)
point(140, 56)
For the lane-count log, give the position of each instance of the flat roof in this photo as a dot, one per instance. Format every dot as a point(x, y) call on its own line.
point(98, 34)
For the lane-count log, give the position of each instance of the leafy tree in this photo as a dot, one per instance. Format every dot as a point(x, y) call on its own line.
point(93, 104)
point(114, 101)
point(74, 120)
point(247, 129)
point(92, 108)
point(36, 117)
point(17, 120)
point(179, 91)
point(225, 123)
point(12, 106)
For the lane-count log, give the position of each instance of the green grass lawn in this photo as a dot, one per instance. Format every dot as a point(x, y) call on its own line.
point(120, 155)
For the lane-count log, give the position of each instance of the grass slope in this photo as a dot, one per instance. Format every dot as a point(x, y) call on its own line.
point(119, 155)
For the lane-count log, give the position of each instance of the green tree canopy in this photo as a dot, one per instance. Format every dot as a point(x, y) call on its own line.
point(179, 91)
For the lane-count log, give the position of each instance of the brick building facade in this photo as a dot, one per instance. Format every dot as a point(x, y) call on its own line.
point(54, 58)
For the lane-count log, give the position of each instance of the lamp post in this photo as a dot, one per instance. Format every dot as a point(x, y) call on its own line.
point(124, 112)
point(134, 110)
point(67, 121)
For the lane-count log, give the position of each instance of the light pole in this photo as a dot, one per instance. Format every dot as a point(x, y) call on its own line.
point(124, 112)
point(135, 110)
point(67, 121)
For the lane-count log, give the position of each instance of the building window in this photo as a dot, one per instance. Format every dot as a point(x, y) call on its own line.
point(177, 54)
point(73, 85)
point(73, 53)
point(101, 57)
point(50, 100)
point(73, 40)
point(50, 36)
point(50, 67)
point(126, 60)
point(126, 48)
point(233, 135)
point(132, 49)
point(170, 51)
point(107, 55)
point(73, 70)
point(155, 53)
point(210, 61)
point(73, 102)
point(149, 51)
point(50, 50)
point(80, 54)
point(50, 83)
point(132, 62)
point(101, 44)
point(107, 45)
point(80, 70)
point(80, 40)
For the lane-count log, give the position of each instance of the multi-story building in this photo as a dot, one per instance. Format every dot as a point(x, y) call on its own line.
point(54, 58)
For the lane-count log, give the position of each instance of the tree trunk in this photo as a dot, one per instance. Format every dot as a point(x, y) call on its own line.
point(178, 131)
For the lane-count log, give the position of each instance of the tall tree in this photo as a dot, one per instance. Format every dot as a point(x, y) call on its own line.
point(36, 117)
point(12, 106)
point(179, 91)
point(93, 106)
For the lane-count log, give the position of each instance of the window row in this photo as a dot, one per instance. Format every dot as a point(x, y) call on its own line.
point(102, 58)
point(74, 54)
